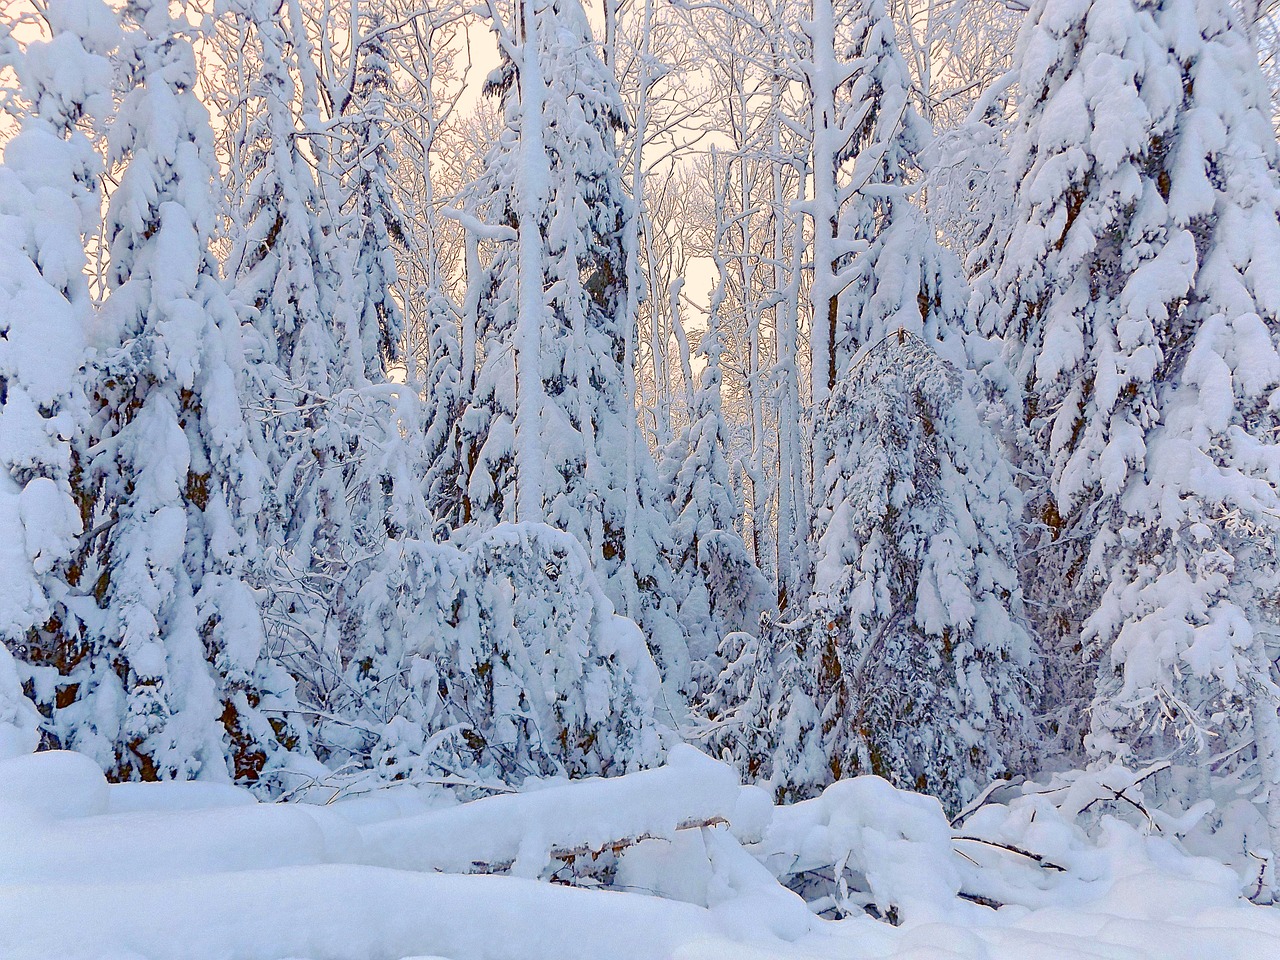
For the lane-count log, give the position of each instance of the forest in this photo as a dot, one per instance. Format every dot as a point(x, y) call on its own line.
point(799, 470)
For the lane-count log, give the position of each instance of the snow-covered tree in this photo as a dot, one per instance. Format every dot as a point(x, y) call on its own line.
point(833, 122)
point(374, 221)
point(396, 710)
point(445, 397)
point(563, 684)
point(885, 245)
point(371, 439)
point(914, 504)
point(280, 258)
point(717, 585)
point(1138, 305)
point(499, 662)
point(549, 434)
point(864, 138)
point(924, 669)
point(557, 214)
point(438, 257)
point(761, 714)
point(344, 444)
point(187, 689)
point(970, 189)
point(49, 205)
point(286, 281)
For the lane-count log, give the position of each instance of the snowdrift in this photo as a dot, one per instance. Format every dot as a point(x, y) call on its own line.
point(678, 861)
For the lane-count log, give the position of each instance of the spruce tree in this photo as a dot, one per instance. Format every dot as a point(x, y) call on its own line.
point(548, 435)
point(176, 482)
point(374, 222)
point(49, 205)
point(916, 604)
point(924, 672)
point(891, 273)
point(445, 400)
point(284, 282)
point(718, 587)
point(1141, 317)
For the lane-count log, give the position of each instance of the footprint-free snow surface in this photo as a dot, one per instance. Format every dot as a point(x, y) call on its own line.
point(681, 861)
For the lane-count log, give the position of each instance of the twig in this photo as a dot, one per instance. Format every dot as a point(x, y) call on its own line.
point(981, 799)
point(1048, 864)
point(1255, 897)
point(980, 900)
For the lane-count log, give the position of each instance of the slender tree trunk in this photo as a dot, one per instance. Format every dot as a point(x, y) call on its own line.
point(535, 172)
point(1265, 710)
point(823, 296)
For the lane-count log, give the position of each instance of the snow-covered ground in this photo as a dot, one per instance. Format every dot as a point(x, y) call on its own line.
point(692, 861)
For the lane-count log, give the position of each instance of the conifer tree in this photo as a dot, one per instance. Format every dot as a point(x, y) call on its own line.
point(373, 434)
point(548, 433)
point(279, 260)
point(560, 683)
point(343, 441)
point(865, 138)
point(176, 481)
point(374, 220)
point(914, 663)
point(49, 205)
point(888, 263)
point(286, 280)
point(1142, 322)
point(924, 672)
point(761, 714)
point(446, 400)
point(718, 587)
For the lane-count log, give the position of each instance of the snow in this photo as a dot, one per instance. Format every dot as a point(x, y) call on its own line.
point(191, 870)
point(53, 784)
point(526, 828)
point(19, 721)
point(461, 628)
point(899, 841)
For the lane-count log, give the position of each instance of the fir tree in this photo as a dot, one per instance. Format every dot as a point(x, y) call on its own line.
point(344, 443)
point(559, 683)
point(446, 400)
point(717, 585)
point(49, 205)
point(1142, 321)
point(924, 672)
point(374, 221)
point(893, 269)
point(284, 280)
point(916, 605)
point(762, 713)
point(548, 435)
point(176, 482)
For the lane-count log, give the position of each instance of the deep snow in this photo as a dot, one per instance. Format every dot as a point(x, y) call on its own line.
point(196, 870)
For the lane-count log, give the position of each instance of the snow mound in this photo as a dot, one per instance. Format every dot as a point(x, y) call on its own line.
point(55, 784)
point(679, 861)
point(522, 831)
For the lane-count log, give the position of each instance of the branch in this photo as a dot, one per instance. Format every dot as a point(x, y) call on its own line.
point(570, 854)
point(1047, 864)
point(485, 231)
point(980, 900)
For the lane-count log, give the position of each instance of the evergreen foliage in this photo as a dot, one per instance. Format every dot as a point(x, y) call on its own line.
point(184, 687)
